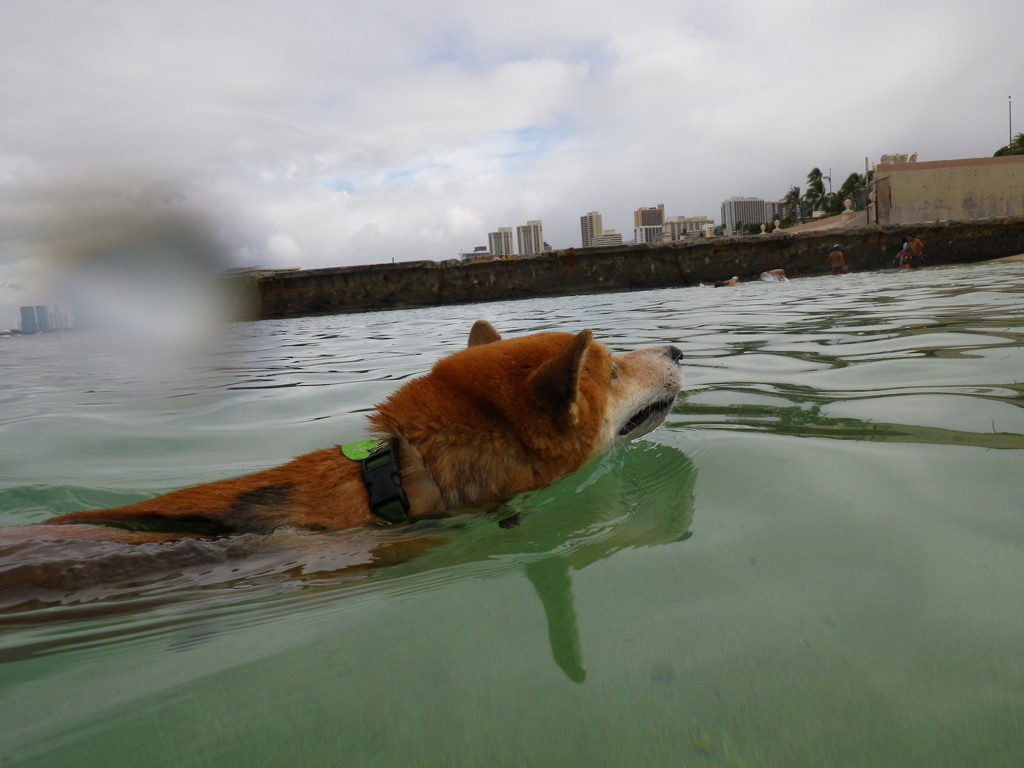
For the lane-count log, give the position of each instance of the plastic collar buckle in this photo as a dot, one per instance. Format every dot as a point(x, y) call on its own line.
point(382, 475)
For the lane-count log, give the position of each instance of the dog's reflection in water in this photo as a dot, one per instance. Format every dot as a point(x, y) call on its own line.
point(638, 495)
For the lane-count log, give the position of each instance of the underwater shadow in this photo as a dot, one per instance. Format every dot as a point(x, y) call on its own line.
point(638, 495)
point(652, 489)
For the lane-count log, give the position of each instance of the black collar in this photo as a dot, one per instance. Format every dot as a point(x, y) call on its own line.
point(383, 478)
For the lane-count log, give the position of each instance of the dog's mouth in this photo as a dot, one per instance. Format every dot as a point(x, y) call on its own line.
point(647, 418)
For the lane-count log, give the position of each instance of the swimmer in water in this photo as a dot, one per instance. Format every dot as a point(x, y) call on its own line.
point(775, 276)
point(836, 262)
point(724, 283)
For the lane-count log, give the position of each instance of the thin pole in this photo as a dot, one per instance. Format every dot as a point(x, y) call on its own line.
point(867, 196)
point(1010, 100)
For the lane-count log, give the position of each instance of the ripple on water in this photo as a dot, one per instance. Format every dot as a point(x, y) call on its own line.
point(819, 552)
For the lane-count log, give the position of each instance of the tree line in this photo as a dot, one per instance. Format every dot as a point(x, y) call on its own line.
point(798, 207)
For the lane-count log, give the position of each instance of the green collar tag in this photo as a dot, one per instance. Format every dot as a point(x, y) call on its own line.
point(359, 450)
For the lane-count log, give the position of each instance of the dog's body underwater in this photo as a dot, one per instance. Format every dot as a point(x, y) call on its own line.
point(501, 417)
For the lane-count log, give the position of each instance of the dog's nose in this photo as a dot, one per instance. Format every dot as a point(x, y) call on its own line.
point(674, 353)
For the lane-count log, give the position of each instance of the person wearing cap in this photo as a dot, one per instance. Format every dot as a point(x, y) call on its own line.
point(837, 262)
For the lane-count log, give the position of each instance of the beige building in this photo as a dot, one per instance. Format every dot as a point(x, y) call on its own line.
point(593, 233)
point(531, 238)
point(947, 190)
point(649, 217)
point(685, 227)
point(500, 243)
point(591, 226)
point(606, 238)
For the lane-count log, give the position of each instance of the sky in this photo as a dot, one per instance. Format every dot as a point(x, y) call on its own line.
point(317, 133)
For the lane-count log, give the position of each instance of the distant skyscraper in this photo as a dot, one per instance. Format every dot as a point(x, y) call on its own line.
point(590, 227)
point(747, 210)
point(42, 322)
point(530, 237)
point(59, 318)
point(500, 242)
point(649, 217)
point(28, 320)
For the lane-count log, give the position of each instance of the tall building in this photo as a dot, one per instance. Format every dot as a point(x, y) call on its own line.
point(649, 217)
point(531, 238)
point(590, 227)
point(685, 227)
point(59, 318)
point(500, 243)
point(28, 320)
point(647, 234)
point(748, 210)
point(42, 321)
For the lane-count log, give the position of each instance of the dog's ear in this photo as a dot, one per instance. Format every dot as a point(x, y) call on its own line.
point(556, 382)
point(482, 333)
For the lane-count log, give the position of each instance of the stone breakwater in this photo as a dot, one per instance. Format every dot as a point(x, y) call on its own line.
point(608, 269)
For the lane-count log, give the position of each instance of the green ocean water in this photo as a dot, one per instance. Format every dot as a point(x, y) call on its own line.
point(817, 561)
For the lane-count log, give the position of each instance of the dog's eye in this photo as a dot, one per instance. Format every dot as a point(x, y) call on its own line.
point(615, 371)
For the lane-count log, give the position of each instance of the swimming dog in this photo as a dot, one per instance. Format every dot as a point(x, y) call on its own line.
point(498, 418)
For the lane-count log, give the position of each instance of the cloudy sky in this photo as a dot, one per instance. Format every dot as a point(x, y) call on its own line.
point(318, 133)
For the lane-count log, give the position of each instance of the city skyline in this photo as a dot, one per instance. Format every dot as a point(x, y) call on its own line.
point(649, 226)
point(42, 318)
point(592, 232)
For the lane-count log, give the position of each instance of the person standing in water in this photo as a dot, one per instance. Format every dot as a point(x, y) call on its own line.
point(902, 260)
point(916, 248)
point(837, 262)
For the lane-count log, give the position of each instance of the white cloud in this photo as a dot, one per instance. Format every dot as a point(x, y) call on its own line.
point(283, 248)
point(350, 133)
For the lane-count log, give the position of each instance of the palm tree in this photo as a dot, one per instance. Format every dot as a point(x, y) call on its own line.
point(853, 189)
point(815, 193)
point(792, 210)
point(1015, 147)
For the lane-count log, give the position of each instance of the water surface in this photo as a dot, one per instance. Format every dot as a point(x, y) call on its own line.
point(817, 561)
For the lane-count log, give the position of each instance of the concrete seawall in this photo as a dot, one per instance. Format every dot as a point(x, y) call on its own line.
point(608, 269)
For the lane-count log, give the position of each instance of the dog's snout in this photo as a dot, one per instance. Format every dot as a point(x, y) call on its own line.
point(674, 353)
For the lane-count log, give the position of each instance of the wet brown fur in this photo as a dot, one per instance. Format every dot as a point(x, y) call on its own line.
point(490, 421)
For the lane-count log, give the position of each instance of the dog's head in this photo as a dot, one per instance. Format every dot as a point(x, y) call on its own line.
point(510, 415)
